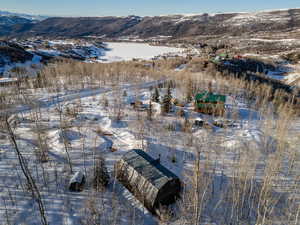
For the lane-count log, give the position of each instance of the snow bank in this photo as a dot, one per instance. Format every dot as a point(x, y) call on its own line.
point(291, 78)
point(255, 139)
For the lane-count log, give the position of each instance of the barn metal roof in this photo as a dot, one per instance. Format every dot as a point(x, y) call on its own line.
point(149, 168)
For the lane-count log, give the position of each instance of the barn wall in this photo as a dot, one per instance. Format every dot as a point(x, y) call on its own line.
point(169, 192)
point(141, 188)
point(150, 182)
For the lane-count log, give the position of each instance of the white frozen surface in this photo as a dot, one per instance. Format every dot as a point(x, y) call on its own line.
point(120, 51)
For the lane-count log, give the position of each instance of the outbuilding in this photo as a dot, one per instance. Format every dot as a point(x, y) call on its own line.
point(150, 182)
point(77, 182)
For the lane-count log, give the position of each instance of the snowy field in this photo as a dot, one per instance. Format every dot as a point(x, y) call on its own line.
point(87, 119)
point(128, 51)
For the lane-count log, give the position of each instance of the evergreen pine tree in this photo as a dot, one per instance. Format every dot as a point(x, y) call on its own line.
point(155, 96)
point(189, 91)
point(166, 104)
point(150, 111)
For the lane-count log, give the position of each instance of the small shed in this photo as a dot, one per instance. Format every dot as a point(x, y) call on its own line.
point(150, 182)
point(210, 103)
point(199, 122)
point(77, 182)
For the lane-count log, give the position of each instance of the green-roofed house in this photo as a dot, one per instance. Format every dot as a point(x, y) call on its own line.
point(217, 59)
point(223, 55)
point(210, 103)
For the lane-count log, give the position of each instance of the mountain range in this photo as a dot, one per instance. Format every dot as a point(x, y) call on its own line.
point(23, 15)
point(176, 26)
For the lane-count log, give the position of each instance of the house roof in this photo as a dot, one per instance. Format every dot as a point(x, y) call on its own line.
point(77, 177)
point(210, 97)
point(149, 168)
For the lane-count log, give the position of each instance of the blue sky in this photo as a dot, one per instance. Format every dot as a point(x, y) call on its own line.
point(139, 7)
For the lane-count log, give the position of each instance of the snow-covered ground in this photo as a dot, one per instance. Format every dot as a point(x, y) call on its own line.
point(286, 72)
point(85, 137)
point(88, 127)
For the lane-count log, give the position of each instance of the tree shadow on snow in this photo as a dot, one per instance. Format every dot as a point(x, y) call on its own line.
point(141, 214)
point(222, 205)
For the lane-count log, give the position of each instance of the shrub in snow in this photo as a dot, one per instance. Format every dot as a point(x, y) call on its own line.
point(187, 126)
point(104, 102)
point(41, 153)
point(150, 111)
point(101, 176)
point(118, 108)
point(71, 111)
point(171, 127)
point(181, 113)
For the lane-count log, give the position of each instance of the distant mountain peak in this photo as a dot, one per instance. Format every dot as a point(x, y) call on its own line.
point(23, 15)
point(176, 26)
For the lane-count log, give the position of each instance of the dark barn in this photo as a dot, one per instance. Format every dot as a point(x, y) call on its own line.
point(150, 182)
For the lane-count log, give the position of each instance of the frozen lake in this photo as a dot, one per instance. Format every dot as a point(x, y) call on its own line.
point(120, 51)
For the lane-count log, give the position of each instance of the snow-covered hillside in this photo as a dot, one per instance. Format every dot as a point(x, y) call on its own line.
point(22, 15)
point(176, 26)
